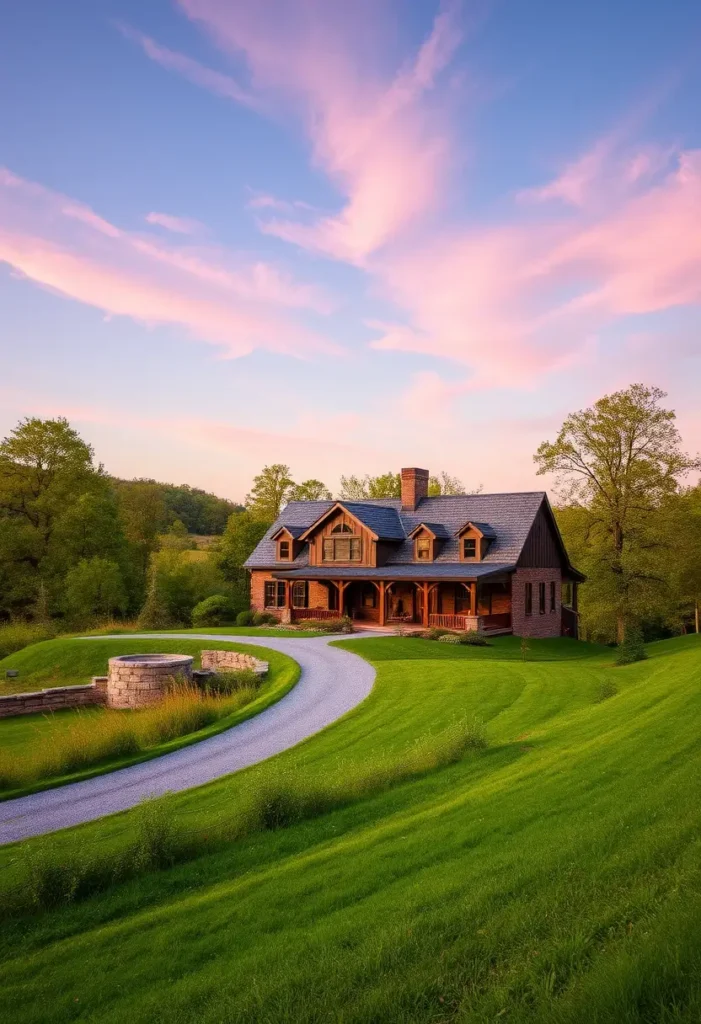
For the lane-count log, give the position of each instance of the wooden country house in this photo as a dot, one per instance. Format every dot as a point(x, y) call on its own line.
point(495, 562)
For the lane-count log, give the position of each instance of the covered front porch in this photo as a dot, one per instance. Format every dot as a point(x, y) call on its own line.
point(483, 604)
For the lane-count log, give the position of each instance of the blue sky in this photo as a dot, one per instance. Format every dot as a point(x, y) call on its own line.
point(346, 237)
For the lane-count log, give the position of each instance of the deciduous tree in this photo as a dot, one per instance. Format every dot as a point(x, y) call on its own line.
point(309, 490)
point(615, 464)
point(270, 491)
point(95, 587)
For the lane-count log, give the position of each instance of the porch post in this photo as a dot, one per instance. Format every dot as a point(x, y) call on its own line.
point(341, 589)
point(382, 603)
point(287, 611)
point(425, 615)
point(473, 597)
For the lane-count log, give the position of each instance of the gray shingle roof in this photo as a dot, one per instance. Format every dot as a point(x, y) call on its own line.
point(294, 531)
point(437, 529)
point(509, 516)
point(382, 520)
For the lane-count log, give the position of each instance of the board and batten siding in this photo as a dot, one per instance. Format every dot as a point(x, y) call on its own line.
point(368, 553)
point(542, 550)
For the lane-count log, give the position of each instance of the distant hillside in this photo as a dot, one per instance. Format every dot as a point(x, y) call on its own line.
point(201, 512)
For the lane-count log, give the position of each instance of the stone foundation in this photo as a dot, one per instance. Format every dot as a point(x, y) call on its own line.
point(57, 698)
point(139, 680)
point(232, 661)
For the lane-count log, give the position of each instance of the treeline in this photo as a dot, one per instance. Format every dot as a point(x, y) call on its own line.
point(199, 511)
point(77, 544)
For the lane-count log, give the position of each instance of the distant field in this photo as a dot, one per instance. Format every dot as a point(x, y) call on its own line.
point(553, 879)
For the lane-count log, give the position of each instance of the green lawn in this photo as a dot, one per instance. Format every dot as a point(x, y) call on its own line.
point(555, 878)
point(67, 661)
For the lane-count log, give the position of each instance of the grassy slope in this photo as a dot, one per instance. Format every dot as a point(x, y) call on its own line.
point(65, 661)
point(554, 879)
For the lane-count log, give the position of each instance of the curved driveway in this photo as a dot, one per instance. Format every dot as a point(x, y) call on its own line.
point(332, 682)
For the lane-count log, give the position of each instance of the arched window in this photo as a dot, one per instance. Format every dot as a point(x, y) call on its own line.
point(342, 528)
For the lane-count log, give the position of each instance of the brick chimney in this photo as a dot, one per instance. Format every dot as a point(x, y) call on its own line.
point(414, 487)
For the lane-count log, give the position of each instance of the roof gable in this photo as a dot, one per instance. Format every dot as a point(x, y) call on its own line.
point(437, 530)
point(292, 531)
point(383, 523)
point(483, 529)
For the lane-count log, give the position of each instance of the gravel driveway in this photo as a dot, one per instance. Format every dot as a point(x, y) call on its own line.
point(332, 682)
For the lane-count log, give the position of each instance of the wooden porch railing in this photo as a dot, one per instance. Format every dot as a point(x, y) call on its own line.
point(314, 613)
point(449, 621)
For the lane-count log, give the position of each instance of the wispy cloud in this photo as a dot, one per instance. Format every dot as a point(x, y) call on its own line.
point(214, 81)
point(515, 301)
point(215, 295)
point(382, 139)
point(178, 225)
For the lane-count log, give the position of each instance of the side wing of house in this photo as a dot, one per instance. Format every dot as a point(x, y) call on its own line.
point(544, 583)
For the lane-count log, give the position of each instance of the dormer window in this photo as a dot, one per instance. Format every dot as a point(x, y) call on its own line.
point(286, 547)
point(342, 528)
point(423, 549)
point(469, 547)
point(474, 540)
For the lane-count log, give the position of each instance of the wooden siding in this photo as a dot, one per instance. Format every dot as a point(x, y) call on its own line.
point(542, 550)
point(368, 553)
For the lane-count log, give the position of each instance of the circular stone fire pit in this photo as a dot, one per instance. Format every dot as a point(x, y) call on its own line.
point(137, 680)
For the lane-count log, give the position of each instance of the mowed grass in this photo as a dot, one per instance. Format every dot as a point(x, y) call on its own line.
point(554, 878)
point(67, 750)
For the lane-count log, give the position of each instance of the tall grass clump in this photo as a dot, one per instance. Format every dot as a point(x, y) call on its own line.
point(273, 801)
point(632, 648)
point(16, 635)
point(107, 735)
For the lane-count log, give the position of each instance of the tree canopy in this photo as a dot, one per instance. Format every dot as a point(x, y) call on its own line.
point(618, 464)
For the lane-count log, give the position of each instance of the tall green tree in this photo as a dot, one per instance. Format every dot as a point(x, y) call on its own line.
point(143, 515)
point(95, 587)
point(243, 532)
point(615, 464)
point(44, 468)
point(682, 562)
point(309, 490)
point(270, 491)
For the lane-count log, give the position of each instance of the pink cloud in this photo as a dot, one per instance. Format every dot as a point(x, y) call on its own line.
point(383, 139)
point(512, 302)
point(178, 225)
point(198, 74)
point(213, 295)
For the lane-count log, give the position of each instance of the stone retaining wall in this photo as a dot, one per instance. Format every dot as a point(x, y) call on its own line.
point(232, 661)
point(54, 699)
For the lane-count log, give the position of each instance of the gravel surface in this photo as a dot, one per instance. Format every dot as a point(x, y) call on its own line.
point(332, 682)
